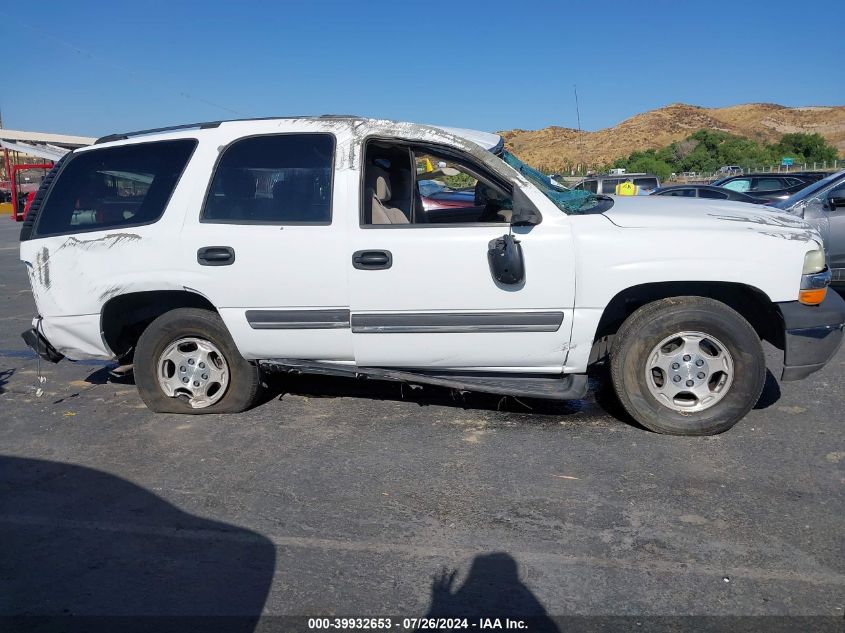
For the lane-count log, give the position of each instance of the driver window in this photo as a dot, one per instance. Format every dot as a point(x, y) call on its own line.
point(411, 186)
point(451, 192)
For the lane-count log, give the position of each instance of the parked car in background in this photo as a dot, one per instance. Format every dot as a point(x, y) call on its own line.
point(704, 191)
point(606, 184)
point(729, 170)
point(765, 187)
point(810, 176)
point(822, 205)
point(437, 195)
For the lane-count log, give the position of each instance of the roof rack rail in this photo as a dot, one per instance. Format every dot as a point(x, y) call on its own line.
point(172, 128)
point(212, 124)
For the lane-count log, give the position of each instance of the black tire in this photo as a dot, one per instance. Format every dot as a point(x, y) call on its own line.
point(650, 325)
point(244, 377)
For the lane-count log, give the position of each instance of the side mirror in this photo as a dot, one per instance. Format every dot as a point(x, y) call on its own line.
point(524, 211)
point(507, 265)
point(836, 199)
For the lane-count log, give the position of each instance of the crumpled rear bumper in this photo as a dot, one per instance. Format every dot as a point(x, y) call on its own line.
point(812, 335)
point(41, 345)
point(75, 337)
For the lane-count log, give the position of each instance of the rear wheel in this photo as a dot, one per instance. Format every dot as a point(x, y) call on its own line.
point(687, 366)
point(186, 362)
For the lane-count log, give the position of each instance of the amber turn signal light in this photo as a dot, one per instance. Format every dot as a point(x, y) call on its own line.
point(812, 296)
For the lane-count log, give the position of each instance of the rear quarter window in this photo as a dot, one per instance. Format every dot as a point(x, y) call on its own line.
point(114, 187)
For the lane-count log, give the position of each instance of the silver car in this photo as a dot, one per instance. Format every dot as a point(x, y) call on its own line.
point(822, 204)
point(606, 183)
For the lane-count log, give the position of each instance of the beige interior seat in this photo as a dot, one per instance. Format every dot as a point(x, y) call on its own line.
point(382, 212)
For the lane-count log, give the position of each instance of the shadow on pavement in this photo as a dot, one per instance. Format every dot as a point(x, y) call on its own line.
point(81, 542)
point(335, 387)
point(493, 589)
point(771, 392)
point(602, 397)
point(5, 374)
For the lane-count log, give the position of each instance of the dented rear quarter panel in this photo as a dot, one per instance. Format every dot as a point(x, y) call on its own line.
point(73, 275)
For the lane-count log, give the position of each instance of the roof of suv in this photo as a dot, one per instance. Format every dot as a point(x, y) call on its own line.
point(487, 140)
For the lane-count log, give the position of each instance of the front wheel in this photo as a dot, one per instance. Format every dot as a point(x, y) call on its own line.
point(186, 362)
point(687, 366)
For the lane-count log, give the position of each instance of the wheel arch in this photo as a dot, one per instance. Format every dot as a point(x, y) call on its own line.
point(752, 303)
point(124, 317)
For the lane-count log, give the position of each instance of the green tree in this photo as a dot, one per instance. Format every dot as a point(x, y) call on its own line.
point(805, 147)
point(707, 150)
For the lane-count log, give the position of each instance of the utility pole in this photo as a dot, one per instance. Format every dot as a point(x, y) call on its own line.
point(577, 110)
point(578, 115)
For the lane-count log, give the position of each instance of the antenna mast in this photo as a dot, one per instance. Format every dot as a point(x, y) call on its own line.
point(577, 110)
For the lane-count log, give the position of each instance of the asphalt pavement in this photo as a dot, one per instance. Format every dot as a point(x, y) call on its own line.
point(364, 498)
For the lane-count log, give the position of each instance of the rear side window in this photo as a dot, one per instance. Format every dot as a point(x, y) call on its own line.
point(273, 179)
point(767, 184)
point(685, 193)
point(646, 183)
point(114, 187)
point(609, 186)
point(587, 185)
point(709, 193)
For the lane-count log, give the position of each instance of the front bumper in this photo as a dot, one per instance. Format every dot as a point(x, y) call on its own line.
point(812, 335)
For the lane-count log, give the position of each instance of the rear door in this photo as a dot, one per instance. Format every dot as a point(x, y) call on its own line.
point(264, 240)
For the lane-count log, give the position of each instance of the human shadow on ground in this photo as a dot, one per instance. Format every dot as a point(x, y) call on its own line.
point(493, 589)
point(81, 542)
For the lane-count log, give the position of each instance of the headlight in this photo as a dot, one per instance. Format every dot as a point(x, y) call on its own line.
point(813, 262)
point(815, 278)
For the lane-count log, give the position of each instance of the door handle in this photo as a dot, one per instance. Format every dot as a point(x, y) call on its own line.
point(216, 256)
point(372, 260)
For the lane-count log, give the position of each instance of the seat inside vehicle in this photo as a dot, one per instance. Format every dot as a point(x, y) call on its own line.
point(388, 181)
point(405, 184)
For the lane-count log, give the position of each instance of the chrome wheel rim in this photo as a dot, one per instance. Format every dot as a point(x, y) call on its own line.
point(689, 371)
point(193, 369)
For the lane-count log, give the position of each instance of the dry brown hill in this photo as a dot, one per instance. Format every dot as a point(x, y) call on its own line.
point(559, 148)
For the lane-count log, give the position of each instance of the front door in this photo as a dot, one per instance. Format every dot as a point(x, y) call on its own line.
point(267, 246)
point(836, 245)
point(830, 221)
point(421, 287)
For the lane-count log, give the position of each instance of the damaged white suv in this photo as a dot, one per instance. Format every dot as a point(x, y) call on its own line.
point(207, 254)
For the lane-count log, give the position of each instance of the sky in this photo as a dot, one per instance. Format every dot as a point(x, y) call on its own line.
point(94, 68)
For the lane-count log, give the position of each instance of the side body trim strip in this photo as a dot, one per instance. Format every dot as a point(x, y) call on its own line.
point(458, 322)
point(297, 319)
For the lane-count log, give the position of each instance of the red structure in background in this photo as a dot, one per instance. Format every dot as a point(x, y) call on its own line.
point(18, 196)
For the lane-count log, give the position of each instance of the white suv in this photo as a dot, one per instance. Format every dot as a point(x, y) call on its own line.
point(206, 254)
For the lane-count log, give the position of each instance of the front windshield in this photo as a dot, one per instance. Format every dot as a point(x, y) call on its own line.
point(567, 200)
point(808, 191)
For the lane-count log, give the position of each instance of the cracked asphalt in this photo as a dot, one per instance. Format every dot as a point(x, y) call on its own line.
point(345, 497)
